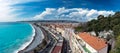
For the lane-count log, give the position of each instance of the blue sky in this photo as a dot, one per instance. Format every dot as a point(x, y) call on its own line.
point(80, 10)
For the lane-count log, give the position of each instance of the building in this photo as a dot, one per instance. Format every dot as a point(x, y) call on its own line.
point(74, 44)
point(91, 44)
point(57, 48)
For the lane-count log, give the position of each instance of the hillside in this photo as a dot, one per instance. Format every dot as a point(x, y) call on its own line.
point(112, 22)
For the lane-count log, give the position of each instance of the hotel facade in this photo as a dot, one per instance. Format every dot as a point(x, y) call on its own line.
point(86, 43)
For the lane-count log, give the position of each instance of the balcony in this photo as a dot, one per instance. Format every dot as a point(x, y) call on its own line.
point(82, 46)
point(86, 50)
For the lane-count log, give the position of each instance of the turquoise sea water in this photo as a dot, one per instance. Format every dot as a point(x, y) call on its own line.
point(13, 35)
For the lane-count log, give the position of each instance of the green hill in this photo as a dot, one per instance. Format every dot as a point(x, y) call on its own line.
point(111, 22)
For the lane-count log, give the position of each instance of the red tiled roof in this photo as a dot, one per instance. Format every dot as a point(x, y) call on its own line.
point(94, 42)
point(57, 49)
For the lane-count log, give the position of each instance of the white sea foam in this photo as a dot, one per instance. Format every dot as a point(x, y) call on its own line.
point(27, 43)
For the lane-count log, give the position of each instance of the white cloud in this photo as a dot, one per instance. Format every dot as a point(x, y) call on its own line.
point(78, 14)
point(7, 12)
point(44, 13)
point(6, 9)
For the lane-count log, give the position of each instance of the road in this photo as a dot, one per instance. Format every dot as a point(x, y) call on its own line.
point(48, 48)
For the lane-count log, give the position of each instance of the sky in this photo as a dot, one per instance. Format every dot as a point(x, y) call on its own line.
point(78, 10)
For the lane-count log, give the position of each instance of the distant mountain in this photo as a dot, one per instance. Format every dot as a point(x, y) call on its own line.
point(54, 21)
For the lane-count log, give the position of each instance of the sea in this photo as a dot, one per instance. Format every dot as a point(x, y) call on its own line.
point(15, 36)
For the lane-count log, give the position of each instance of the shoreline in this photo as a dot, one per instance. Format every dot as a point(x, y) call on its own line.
point(33, 40)
point(23, 46)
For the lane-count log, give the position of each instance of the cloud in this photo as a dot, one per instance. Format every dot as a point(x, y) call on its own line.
point(78, 14)
point(49, 11)
point(7, 10)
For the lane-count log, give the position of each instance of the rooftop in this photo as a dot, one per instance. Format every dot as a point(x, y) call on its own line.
point(94, 42)
point(57, 49)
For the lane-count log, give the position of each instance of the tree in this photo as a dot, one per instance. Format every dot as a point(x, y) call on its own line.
point(117, 46)
point(79, 29)
point(100, 17)
point(116, 30)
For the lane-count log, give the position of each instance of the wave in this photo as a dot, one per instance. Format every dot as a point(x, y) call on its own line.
point(26, 43)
